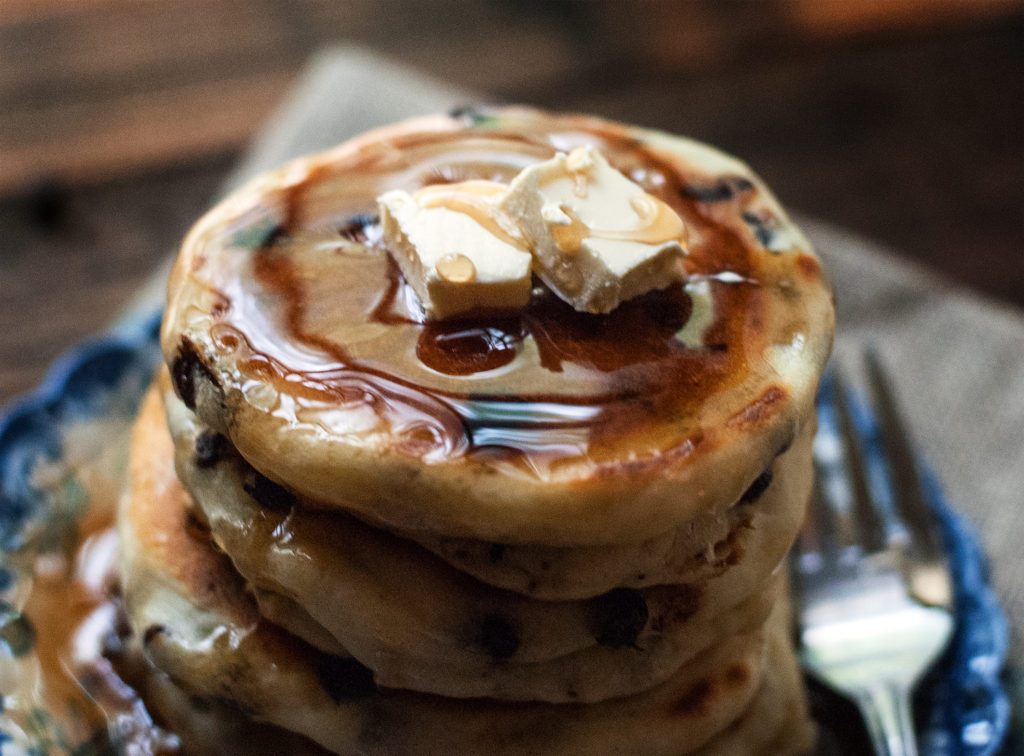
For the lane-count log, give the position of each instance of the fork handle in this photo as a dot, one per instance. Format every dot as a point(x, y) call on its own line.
point(886, 711)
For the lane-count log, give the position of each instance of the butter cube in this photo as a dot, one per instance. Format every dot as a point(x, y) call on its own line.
point(458, 254)
point(598, 238)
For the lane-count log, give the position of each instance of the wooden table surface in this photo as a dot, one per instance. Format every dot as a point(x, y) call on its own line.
point(119, 119)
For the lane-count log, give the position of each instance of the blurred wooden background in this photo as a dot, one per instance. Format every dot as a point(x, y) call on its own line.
point(900, 119)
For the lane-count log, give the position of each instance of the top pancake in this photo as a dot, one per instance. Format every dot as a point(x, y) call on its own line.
point(289, 329)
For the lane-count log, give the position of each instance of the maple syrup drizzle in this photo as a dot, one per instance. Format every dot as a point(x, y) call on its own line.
point(306, 339)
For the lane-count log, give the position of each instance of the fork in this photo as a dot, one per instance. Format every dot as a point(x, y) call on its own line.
point(873, 592)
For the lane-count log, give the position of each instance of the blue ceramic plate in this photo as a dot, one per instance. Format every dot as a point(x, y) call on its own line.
point(58, 441)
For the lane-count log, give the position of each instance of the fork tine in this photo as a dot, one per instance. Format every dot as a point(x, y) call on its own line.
point(833, 504)
point(906, 483)
point(848, 511)
point(868, 522)
point(837, 486)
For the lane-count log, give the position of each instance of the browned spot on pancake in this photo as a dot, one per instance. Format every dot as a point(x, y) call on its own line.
point(696, 701)
point(760, 409)
point(680, 454)
point(808, 266)
point(736, 675)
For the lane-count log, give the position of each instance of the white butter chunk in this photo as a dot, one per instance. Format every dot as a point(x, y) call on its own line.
point(598, 238)
point(456, 250)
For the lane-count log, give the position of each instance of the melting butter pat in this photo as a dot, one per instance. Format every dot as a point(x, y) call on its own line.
point(598, 238)
point(456, 250)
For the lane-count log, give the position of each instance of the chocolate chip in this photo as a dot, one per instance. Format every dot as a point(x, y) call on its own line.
point(48, 203)
point(267, 493)
point(725, 189)
point(617, 617)
point(187, 370)
point(210, 448)
point(760, 227)
point(496, 552)
point(758, 487)
point(498, 636)
point(344, 678)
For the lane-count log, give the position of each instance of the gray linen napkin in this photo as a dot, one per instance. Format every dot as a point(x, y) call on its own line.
point(957, 360)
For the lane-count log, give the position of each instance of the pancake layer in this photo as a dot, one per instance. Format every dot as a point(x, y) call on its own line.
point(289, 330)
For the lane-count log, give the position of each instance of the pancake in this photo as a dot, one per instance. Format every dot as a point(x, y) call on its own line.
point(764, 522)
point(198, 625)
point(691, 553)
point(769, 513)
point(289, 331)
point(421, 625)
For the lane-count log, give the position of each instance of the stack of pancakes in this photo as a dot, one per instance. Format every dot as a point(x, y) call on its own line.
point(351, 529)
